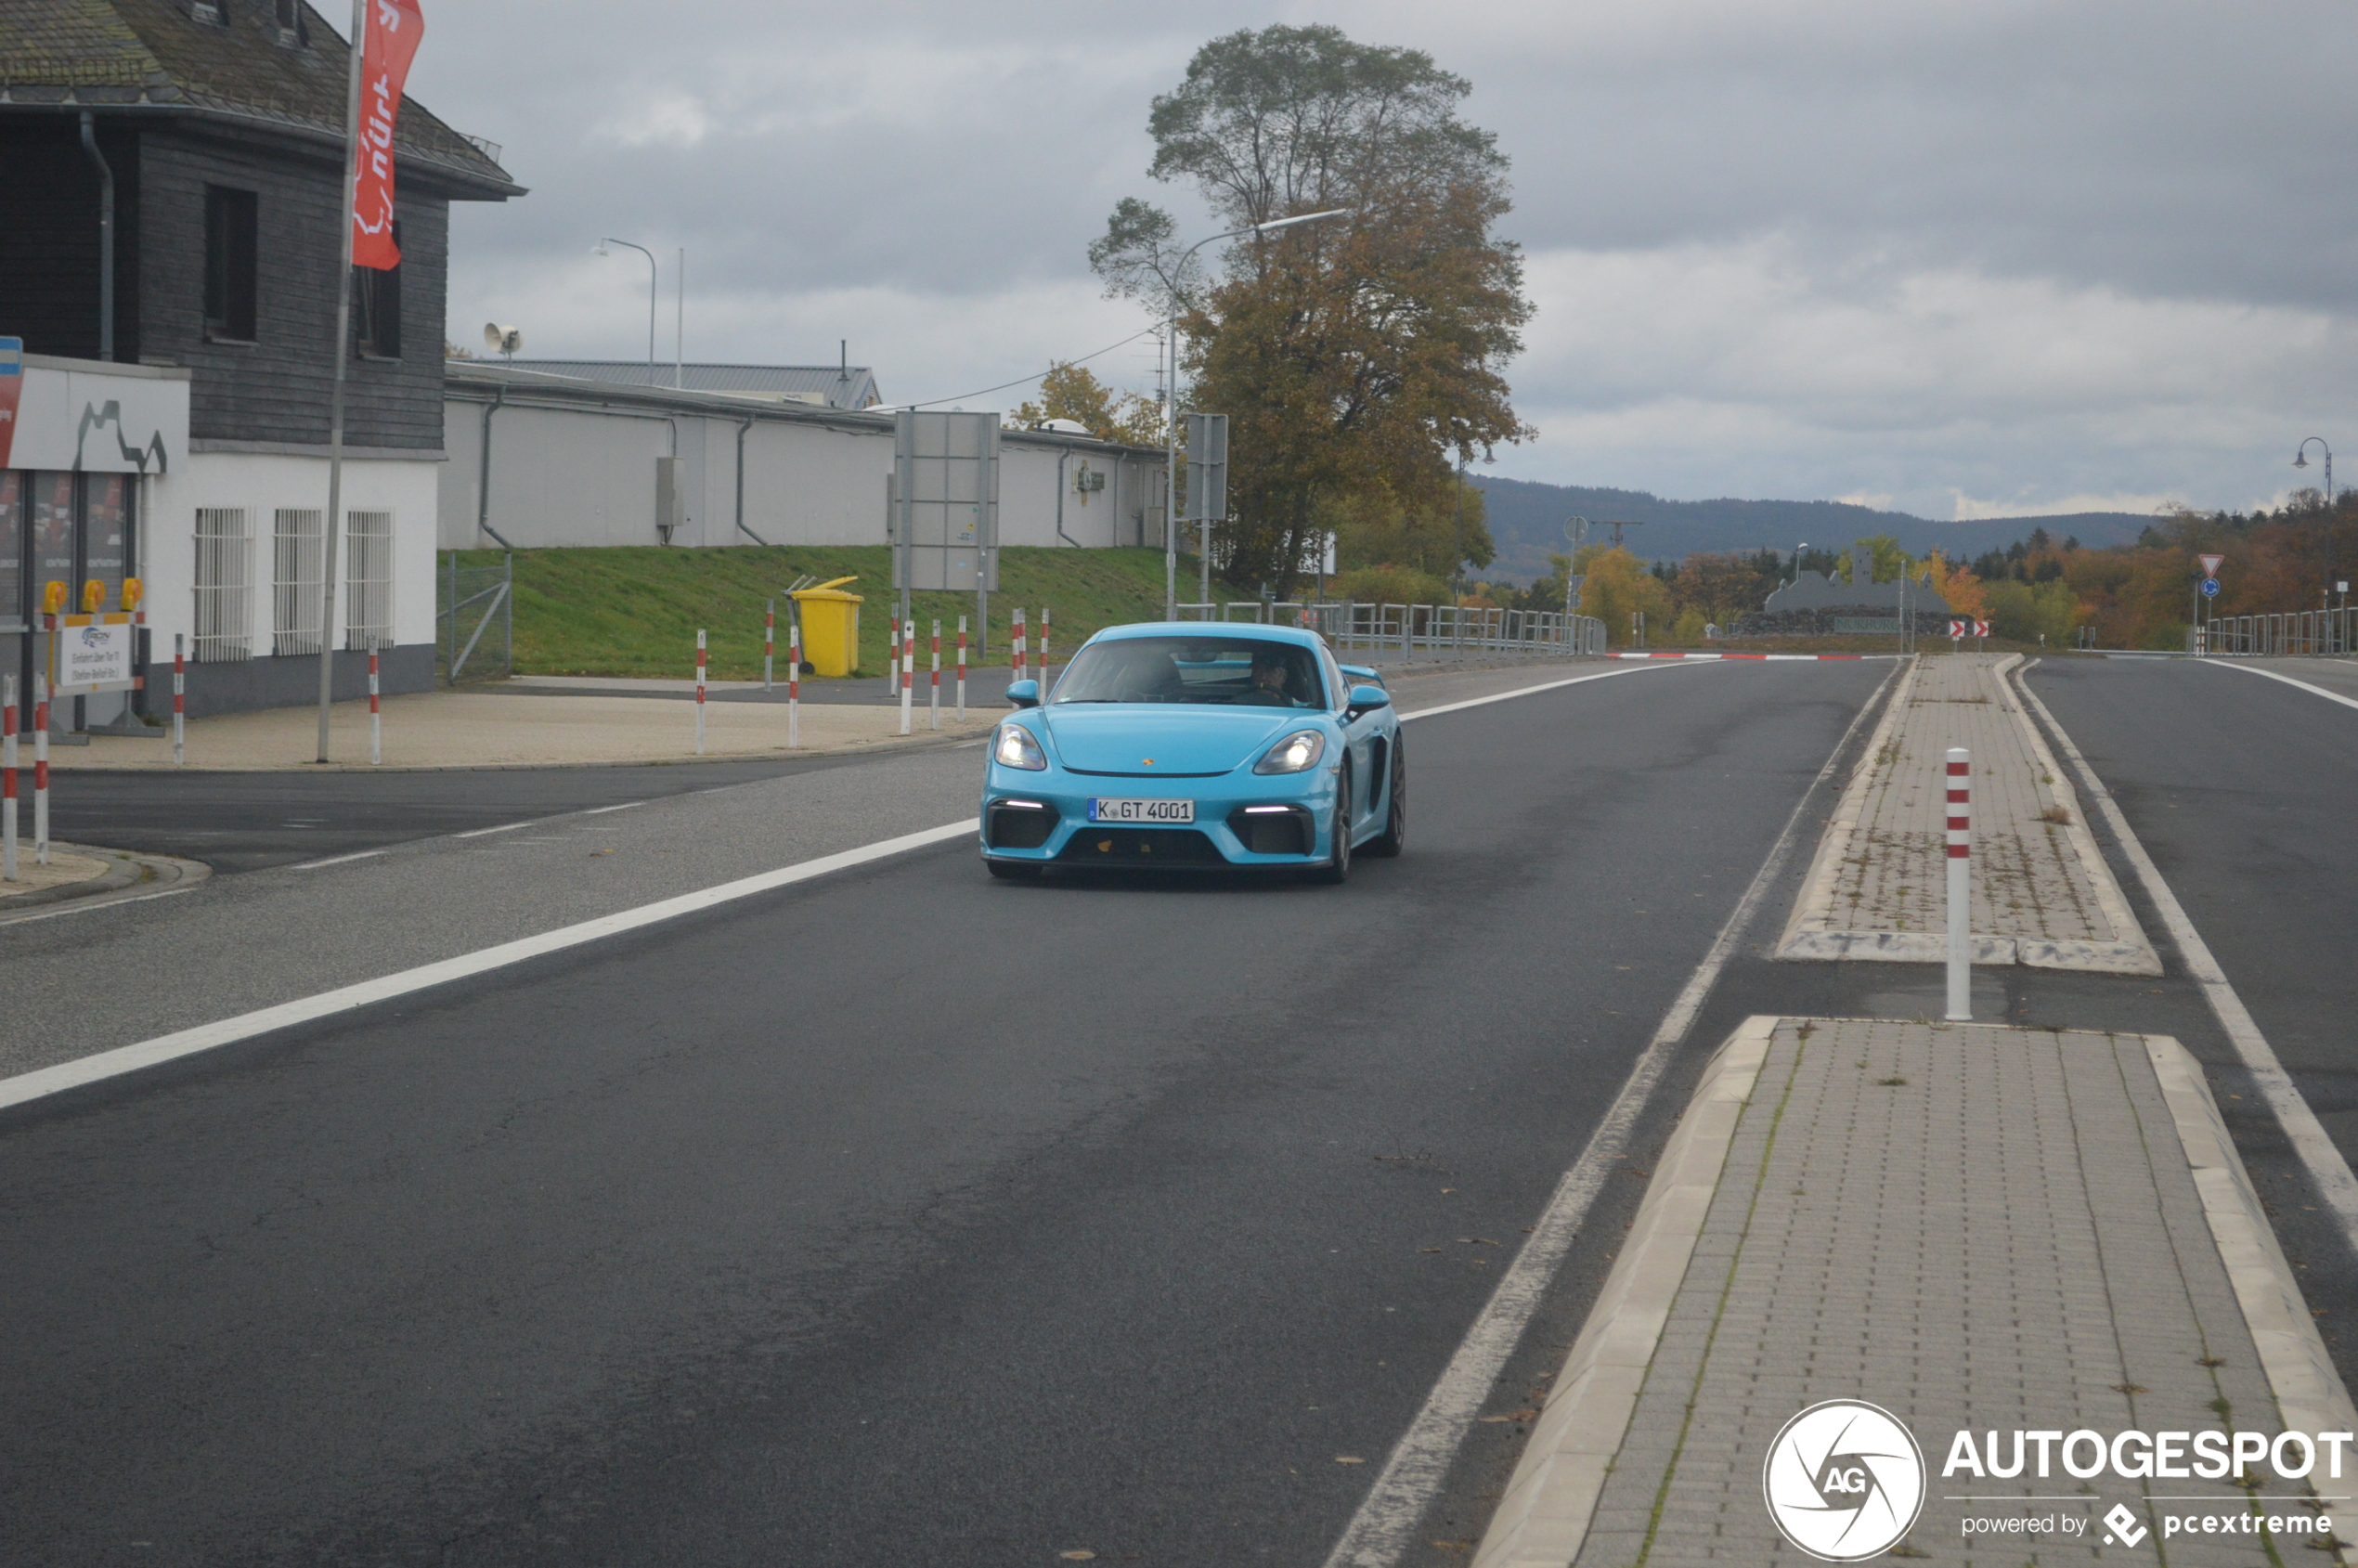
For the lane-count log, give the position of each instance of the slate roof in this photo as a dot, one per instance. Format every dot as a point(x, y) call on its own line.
point(795, 383)
point(1809, 591)
point(161, 57)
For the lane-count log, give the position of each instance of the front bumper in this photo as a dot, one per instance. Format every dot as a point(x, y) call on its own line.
point(1242, 819)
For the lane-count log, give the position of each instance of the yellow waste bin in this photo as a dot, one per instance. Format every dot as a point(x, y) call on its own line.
point(830, 627)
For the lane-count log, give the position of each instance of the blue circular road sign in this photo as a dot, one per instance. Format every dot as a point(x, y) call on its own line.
point(2210, 588)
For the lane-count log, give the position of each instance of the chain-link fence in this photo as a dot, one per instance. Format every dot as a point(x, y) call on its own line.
point(475, 621)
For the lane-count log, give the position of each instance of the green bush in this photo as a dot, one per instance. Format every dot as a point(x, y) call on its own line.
point(1390, 584)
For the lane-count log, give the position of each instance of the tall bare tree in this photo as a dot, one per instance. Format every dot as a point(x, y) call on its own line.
point(1352, 354)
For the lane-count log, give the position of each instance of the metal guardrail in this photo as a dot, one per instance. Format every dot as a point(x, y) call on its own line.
point(492, 587)
point(2298, 631)
point(1439, 629)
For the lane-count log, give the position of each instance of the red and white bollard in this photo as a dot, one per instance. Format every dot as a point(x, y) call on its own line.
point(8, 780)
point(1960, 885)
point(892, 654)
point(961, 669)
point(376, 725)
point(768, 645)
point(793, 686)
point(40, 770)
point(179, 699)
point(1018, 641)
point(1043, 661)
point(699, 693)
point(908, 672)
point(934, 697)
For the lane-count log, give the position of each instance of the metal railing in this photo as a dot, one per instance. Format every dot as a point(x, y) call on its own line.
point(2299, 632)
point(486, 596)
point(1448, 629)
point(1439, 629)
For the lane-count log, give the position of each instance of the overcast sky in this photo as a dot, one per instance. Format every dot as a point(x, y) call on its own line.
point(1960, 259)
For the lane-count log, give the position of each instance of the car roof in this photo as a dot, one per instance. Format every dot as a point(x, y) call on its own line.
point(1242, 632)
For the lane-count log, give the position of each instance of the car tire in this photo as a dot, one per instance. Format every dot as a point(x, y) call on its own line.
point(1014, 871)
point(1394, 836)
point(1337, 870)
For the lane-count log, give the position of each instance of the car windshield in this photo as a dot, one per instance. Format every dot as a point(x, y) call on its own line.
point(1232, 671)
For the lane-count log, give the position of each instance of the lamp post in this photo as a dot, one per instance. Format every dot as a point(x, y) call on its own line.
point(2300, 459)
point(1171, 412)
point(650, 289)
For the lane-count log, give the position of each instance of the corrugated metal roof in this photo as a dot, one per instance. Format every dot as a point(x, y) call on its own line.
point(155, 54)
point(831, 386)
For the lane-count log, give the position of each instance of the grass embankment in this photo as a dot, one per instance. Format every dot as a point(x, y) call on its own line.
point(635, 610)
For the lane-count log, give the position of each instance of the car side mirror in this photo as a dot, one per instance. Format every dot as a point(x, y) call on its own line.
point(1367, 699)
point(1023, 693)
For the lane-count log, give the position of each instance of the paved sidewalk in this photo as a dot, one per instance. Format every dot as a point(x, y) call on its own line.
point(1976, 1228)
point(2043, 895)
point(484, 729)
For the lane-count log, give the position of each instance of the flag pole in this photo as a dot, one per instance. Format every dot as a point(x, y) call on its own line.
point(334, 525)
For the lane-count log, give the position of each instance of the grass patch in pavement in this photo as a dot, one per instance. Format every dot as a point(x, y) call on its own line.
point(635, 610)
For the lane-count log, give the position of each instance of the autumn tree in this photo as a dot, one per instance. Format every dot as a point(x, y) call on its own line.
point(1073, 392)
point(1375, 526)
point(1356, 353)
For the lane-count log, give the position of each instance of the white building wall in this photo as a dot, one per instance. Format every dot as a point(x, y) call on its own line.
point(585, 475)
point(260, 484)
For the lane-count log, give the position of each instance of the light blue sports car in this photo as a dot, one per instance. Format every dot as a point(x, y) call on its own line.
point(1188, 746)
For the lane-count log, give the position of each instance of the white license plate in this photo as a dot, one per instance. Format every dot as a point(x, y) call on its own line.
point(1142, 810)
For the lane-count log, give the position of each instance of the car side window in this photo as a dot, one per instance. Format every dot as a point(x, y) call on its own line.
point(1339, 695)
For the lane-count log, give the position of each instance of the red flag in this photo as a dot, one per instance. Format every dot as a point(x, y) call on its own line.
point(389, 42)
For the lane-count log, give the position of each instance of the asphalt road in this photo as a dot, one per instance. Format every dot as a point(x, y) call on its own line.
point(235, 821)
point(901, 1216)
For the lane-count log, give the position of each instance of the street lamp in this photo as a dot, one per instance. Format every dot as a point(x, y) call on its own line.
point(2300, 459)
point(1796, 561)
point(600, 249)
point(1171, 413)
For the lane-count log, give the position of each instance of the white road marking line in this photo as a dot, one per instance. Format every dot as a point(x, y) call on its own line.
point(1378, 1536)
point(336, 859)
point(503, 827)
point(602, 810)
point(1544, 686)
point(2323, 1162)
point(245, 1026)
point(2287, 679)
point(91, 905)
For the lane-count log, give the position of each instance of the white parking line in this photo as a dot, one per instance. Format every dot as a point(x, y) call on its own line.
point(337, 860)
point(602, 810)
point(2323, 1162)
point(2287, 679)
point(503, 827)
point(1378, 1536)
point(245, 1026)
point(1534, 691)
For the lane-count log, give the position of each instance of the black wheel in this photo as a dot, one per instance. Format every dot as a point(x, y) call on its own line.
point(1013, 871)
point(1394, 837)
point(1337, 870)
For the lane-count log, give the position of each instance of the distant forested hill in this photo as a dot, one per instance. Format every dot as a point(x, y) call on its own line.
point(1526, 521)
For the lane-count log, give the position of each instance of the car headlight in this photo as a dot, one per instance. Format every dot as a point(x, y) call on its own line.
point(1297, 752)
point(1014, 747)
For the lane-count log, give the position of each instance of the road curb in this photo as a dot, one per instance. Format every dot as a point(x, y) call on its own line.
point(1544, 1515)
point(2310, 1393)
point(131, 875)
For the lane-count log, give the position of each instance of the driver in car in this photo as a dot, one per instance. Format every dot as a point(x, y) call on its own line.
point(1270, 679)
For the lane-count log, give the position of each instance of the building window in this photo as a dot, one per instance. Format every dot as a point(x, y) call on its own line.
point(16, 613)
point(294, 580)
point(230, 252)
point(292, 32)
point(225, 584)
point(368, 580)
point(377, 306)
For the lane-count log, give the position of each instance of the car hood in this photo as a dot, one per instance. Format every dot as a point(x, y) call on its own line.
point(1181, 738)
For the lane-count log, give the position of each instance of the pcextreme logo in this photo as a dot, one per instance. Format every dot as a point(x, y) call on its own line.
point(1844, 1481)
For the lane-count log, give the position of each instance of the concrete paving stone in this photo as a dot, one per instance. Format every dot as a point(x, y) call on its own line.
point(1879, 886)
point(2085, 1264)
